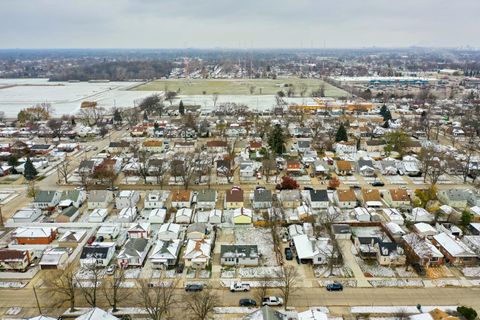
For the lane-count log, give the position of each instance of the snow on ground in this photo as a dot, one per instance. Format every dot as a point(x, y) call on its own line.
point(12, 284)
point(132, 273)
point(345, 283)
point(83, 274)
point(204, 274)
point(253, 284)
point(260, 272)
point(475, 282)
point(397, 309)
point(446, 283)
point(227, 274)
point(233, 310)
point(402, 283)
point(337, 272)
point(402, 273)
point(12, 311)
point(471, 271)
point(128, 284)
point(375, 270)
point(260, 237)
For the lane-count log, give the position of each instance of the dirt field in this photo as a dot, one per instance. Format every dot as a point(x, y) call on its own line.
point(239, 86)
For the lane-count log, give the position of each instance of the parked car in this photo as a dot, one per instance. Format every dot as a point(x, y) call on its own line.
point(114, 188)
point(193, 287)
point(288, 253)
point(378, 183)
point(180, 268)
point(247, 303)
point(111, 269)
point(336, 286)
point(357, 187)
point(91, 240)
point(308, 188)
point(239, 286)
point(272, 301)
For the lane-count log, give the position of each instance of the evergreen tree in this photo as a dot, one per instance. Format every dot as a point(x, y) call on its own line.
point(276, 140)
point(12, 161)
point(383, 109)
point(181, 108)
point(117, 117)
point(29, 170)
point(341, 134)
point(145, 115)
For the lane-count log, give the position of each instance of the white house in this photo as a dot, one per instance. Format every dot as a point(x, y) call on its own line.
point(134, 252)
point(108, 231)
point(99, 199)
point(157, 215)
point(169, 231)
point(184, 215)
point(393, 215)
point(197, 253)
point(239, 255)
point(98, 215)
point(165, 253)
point(27, 215)
point(420, 215)
point(318, 199)
point(126, 199)
point(215, 216)
point(46, 199)
point(156, 199)
point(127, 214)
point(362, 214)
point(139, 230)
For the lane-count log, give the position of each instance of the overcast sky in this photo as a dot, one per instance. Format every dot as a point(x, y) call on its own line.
point(237, 23)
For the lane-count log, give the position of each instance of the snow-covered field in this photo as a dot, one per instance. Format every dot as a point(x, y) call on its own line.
point(254, 284)
point(400, 283)
point(260, 237)
point(323, 272)
point(402, 273)
point(375, 270)
point(227, 274)
point(397, 309)
point(260, 272)
point(12, 284)
point(65, 97)
point(446, 283)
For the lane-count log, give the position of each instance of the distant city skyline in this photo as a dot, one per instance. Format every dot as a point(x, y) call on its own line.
point(238, 24)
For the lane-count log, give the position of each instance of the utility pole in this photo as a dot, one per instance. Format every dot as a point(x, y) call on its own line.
point(36, 299)
point(1, 217)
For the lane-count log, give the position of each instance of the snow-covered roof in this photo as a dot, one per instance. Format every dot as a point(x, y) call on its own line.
point(425, 228)
point(394, 228)
point(198, 249)
point(34, 232)
point(453, 246)
point(303, 246)
point(97, 314)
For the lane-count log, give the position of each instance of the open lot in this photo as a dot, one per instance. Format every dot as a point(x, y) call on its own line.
point(239, 86)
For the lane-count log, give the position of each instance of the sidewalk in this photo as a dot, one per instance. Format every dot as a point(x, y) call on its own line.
point(350, 262)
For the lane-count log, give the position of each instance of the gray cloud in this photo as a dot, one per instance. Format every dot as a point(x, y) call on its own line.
point(228, 23)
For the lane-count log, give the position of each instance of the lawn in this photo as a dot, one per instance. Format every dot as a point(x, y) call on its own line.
point(239, 86)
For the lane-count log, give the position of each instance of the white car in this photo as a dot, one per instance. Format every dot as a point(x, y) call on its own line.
point(272, 301)
point(239, 286)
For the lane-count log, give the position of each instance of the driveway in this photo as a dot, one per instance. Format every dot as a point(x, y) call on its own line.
point(350, 262)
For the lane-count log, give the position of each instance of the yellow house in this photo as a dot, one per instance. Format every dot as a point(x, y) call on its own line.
point(242, 216)
point(153, 145)
point(234, 199)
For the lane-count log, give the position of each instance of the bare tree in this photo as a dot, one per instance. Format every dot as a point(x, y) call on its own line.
point(303, 89)
point(215, 99)
point(111, 288)
point(63, 169)
point(63, 282)
point(159, 171)
point(90, 287)
point(184, 167)
point(143, 164)
point(289, 277)
point(262, 290)
point(131, 116)
point(157, 298)
point(269, 168)
point(56, 126)
point(91, 116)
point(200, 304)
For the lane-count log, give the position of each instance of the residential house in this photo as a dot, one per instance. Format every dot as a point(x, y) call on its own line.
point(139, 230)
point(316, 251)
point(127, 199)
point(294, 168)
point(217, 146)
point(96, 313)
point(266, 313)
point(198, 253)
point(303, 145)
point(184, 215)
point(474, 198)
point(397, 198)
point(409, 166)
point(169, 231)
point(239, 255)
point(71, 238)
point(242, 216)
point(215, 216)
point(35, 235)
point(290, 198)
point(393, 215)
point(27, 215)
point(372, 198)
point(46, 200)
point(153, 145)
point(455, 251)
point(247, 170)
point(412, 146)
point(54, 258)
point(473, 242)
point(206, 199)
point(127, 215)
point(390, 254)
point(362, 214)
point(14, 259)
point(420, 215)
point(68, 214)
point(262, 199)
point(233, 198)
point(345, 198)
point(365, 167)
point(197, 231)
point(372, 146)
point(181, 199)
point(424, 230)
point(345, 148)
point(457, 198)
point(156, 199)
point(157, 215)
point(318, 199)
point(98, 215)
point(134, 252)
point(389, 167)
point(343, 168)
point(116, 147)
point(72, 198)
point(421, 251)
point(108, 231)
point(99, 254)
point(184, 146)
point(165, 254)
point(99, 199)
